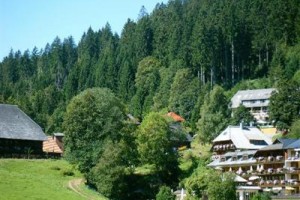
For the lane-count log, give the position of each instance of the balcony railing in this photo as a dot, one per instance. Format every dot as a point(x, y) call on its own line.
point(270, 159)
point(293, 159)
point(274, 183)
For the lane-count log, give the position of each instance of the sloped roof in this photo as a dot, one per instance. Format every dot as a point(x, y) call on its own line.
point(294, 145)
point(239, 179)
point(175, 117)
point(51, 146)
point(284, 141)
point(241, 137)
point(243, 95)
point(15, 124)
point(272, 147)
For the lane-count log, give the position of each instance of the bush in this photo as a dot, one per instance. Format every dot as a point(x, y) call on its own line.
point(55, 168)
point(165, 193)
point(67, 172)
point(261, 196)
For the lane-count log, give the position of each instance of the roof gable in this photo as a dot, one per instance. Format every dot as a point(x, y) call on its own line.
point(241, 137)
point(15, 124)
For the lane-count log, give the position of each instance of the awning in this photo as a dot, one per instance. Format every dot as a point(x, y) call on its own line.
point(289, 188)
point(252, 178)
point(239, 179)
point(240, 171)
point(276, 189)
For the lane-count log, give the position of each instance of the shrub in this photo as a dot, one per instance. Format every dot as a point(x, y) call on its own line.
point(165, 193)
point(55, 168)
point(67, 172)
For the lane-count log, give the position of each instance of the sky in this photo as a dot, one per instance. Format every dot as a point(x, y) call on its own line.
point(25, 24)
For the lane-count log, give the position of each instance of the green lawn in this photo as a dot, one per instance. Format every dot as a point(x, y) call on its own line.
point(38, 179)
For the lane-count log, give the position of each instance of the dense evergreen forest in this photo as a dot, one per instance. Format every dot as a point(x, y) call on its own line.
point(169, 59)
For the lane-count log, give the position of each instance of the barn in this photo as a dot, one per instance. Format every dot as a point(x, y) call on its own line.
point(20, 136)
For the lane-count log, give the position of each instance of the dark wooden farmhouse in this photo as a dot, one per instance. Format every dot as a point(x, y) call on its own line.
point(19, 135)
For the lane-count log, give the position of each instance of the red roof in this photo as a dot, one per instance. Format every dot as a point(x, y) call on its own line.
point(175, 117)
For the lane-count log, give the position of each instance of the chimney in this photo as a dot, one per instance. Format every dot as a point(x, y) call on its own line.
point(251, 124)
point(241, 125)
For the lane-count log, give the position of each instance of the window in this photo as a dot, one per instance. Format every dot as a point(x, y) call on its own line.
point(245, 157)
point(258, 142)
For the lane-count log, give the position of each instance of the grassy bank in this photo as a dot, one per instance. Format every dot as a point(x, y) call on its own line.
point(38, 179)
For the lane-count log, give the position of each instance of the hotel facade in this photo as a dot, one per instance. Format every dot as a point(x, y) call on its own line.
point(259, 163)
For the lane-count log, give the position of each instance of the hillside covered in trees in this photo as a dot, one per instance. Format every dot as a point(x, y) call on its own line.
point(187, 56)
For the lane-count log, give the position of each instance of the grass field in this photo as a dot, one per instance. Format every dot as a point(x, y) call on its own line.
point(39, 179)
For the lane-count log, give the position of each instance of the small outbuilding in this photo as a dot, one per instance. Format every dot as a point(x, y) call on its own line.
point(53, 146)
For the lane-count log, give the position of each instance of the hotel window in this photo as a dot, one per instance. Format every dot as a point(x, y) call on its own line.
point(258, 142)
point(245, 157)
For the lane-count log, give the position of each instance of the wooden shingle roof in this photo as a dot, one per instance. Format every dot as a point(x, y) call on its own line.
point(15, 124)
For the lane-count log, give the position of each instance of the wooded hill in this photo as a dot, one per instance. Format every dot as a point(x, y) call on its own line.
point(169, 59)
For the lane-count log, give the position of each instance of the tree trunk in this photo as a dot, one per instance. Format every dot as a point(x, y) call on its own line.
point(259, 59)
point(211, 77)
point(232, 62)
point(267, 54)
point(226, 64)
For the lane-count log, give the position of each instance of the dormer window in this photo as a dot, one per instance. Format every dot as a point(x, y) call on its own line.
point(222, 159)
point(245, 157)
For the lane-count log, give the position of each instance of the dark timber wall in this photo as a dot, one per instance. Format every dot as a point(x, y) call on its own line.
point(20, 148)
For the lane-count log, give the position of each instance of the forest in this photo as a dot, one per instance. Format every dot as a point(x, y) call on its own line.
point(187, 56)
point(168, 59)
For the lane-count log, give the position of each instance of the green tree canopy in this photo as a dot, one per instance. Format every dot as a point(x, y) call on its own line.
point(242, 114)
point(154, 146)
point(261, 196)
point(184, 93)
point(109, 174)
point(285, 104)
point(92, 117)
point(207, 183)
point(165, 193)
point(295, 130)
point(153, 140)
point(146, 81)
point(214, 114)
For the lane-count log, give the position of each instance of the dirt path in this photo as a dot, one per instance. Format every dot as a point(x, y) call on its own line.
point(75, 186)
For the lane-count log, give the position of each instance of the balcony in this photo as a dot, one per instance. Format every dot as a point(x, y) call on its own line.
point(270, 159)
point(279, 183)
point(292, 170)
point(293, 159)
point(223, 147)
point(272, 183)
